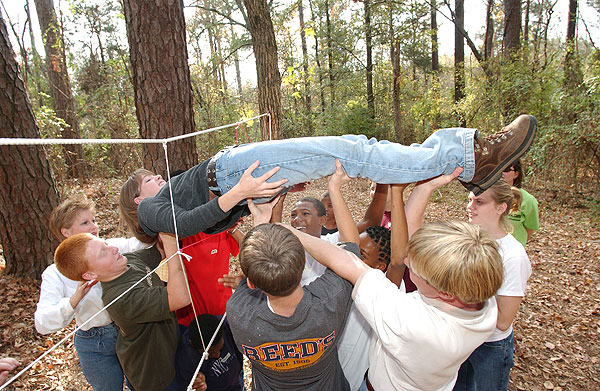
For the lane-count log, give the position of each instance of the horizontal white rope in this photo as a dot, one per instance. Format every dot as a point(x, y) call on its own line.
point(59, 141)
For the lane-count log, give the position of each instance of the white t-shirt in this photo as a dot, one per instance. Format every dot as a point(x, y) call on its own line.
point(517, 270)
point(54, 311)
point(312, 267)
point(419, 343)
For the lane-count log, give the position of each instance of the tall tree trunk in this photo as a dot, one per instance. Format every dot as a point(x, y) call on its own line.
point(572, 72)
point(307, 97)
point(60, 85)
point(236, 61)
point(161, 80)
point(329, 53)
point(27, 194)
point(260, 26)
point(435, 62)
point(459, 53)
point(488, 42)
point(37, 63)
point(369, 50)
point(526, 27)
point(512, 28)
point(318, 56)
point(395, 61)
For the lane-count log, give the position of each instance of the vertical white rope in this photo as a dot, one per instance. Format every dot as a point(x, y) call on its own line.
point(205, 353)
point(187, 285)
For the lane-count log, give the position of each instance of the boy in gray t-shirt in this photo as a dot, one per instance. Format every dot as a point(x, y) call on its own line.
point(287, 331)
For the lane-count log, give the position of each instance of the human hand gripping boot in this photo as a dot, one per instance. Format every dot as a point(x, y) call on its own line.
point(497, 152)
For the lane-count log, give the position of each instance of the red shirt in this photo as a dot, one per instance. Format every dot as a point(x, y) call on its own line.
point(210, 260)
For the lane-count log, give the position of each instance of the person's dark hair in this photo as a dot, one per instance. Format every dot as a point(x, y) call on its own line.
point(321, 211)
point(381, 237)
point(518, 169)
point(208, 324)
point(272, 258)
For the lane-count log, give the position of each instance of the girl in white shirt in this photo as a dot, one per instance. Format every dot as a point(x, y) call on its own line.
point(61, 299)
point(488, 367)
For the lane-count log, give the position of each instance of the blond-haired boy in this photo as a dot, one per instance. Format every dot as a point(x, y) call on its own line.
point(422, 337)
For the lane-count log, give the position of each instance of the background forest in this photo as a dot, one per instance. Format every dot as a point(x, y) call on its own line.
point(322, 67)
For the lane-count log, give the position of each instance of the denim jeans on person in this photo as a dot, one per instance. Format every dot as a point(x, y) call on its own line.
point(488, 367)
point(305, 159)
point(98, 358)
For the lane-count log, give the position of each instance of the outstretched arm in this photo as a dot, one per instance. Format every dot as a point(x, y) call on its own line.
point(419, 197)
point(343, 217)
point(374, 212)
point(342, 262)
point(395, 271)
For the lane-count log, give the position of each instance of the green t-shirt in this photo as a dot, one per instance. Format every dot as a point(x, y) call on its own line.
point(527, 217)
point(147, 343)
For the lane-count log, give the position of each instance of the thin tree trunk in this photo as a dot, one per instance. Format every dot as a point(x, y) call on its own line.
point(260, 26)
point(318, 57)
point(572, 72)
point(236, 61)
point(307, 97)
point(37, 62)
point(60, 85)
point(395, 61)
point(161, 80)
point(459, 53)
point(369, 66)
point(488, 43)
point(27, 194)
point(526, 27)
point(435, 62)
point(329, 53)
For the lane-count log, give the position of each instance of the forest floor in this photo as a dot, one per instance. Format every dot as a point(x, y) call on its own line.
point(557, 329)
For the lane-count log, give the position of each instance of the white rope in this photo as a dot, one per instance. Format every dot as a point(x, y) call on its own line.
point(59, 141)
point(34, 141)
point(87, 321)
point(205, 353)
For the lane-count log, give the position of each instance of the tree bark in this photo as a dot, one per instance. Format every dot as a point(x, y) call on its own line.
point(261, 30)
point(488, 42)
point(526, 26)
point(161, 80)
point(318, 57)
point(572, 71)
point(459, 52)
point(512, 28)
point(27, 194)
point(307, 97)
point(329, 53)
point(369, 65)
point(395, 61)
point(37, 63)
point(435, 62)
point(60, 86)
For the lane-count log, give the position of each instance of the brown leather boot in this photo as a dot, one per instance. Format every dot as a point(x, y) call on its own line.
point(499, 151)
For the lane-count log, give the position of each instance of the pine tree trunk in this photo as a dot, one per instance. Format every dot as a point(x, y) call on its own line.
point(27, 194)
point(435, 62)
point(512, 28)
point(572, 71)
point(60, 85)
point(459, 52)
point(329, 53)
point(318, 57)
point(305, 79)
point(161, 80)
point(488, 40)
point(260, 26)
point(369, 66)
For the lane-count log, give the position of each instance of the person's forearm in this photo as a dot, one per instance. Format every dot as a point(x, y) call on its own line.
point(342, 262)
point(345, 222)
point(374, 212)
point(176, 286)
point(399, 239)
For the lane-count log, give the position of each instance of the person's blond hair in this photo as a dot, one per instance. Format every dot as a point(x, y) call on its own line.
point(501, 193)
point(63, 216)
point(70, 258)
point(517, 200)
point(272, 258)
point(457, 258)
point(128, 207)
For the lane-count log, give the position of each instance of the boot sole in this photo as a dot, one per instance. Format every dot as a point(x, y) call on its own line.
point(487, 182)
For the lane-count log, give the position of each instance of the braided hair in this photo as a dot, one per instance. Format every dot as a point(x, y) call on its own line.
point(381, 236)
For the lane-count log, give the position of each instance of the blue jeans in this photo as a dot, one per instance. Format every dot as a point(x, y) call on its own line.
point(99, 363)
point(488, 367)
point(305, 159)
